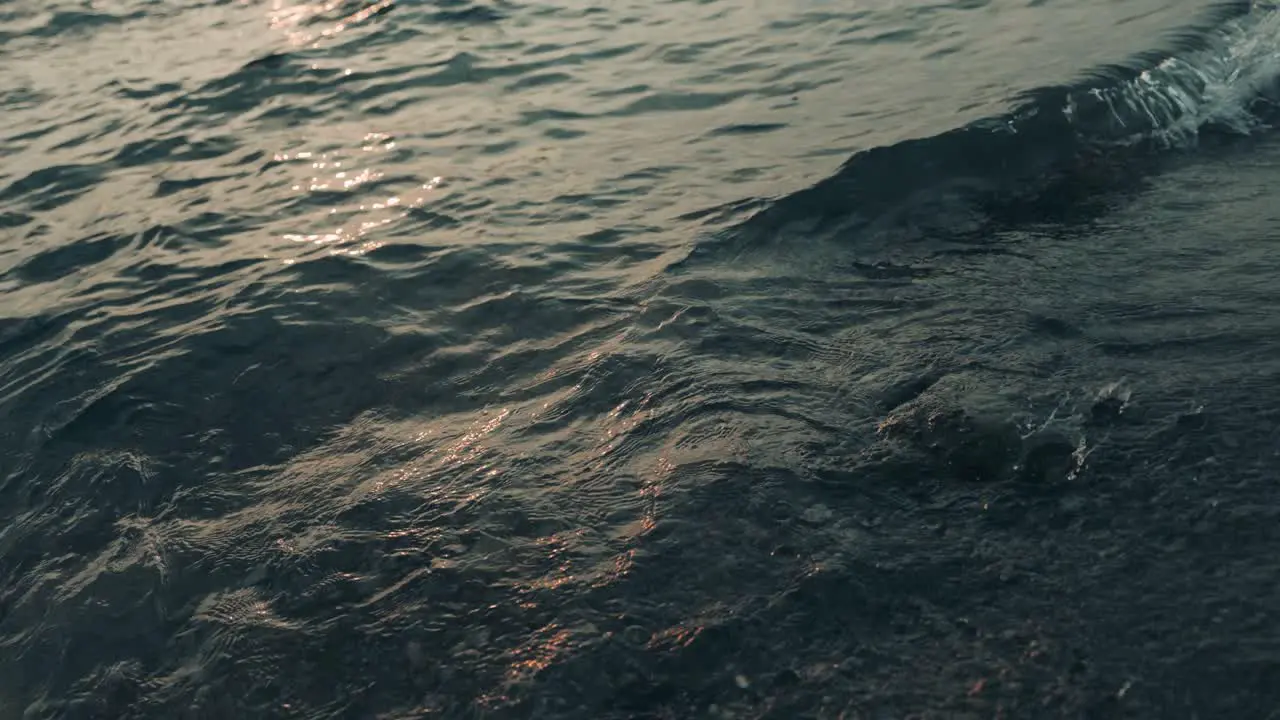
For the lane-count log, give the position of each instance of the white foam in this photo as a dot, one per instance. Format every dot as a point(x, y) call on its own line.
point(1213, 85)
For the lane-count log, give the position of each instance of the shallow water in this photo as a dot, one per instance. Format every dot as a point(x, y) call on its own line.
point(689, 359)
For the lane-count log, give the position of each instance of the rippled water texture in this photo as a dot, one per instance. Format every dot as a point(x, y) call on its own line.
point(638, 360)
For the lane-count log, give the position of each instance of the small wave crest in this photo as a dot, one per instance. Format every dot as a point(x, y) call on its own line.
point(1226, 80)
point(1054, 155)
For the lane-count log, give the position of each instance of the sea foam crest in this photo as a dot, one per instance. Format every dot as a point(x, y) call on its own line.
point(1217, 84)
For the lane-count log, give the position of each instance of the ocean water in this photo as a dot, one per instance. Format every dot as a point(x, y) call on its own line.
point(681, 359)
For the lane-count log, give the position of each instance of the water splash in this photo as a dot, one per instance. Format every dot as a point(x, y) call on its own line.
point(1226, 82)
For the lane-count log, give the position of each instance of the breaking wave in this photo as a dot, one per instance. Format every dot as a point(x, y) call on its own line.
point(1055, 151)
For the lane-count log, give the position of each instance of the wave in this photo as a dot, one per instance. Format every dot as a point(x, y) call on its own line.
point(1224, 79)
point(1056, 148)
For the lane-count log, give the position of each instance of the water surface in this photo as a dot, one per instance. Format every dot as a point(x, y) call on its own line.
point(680, 359)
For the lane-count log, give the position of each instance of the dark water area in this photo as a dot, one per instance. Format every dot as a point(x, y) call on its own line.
point(643, 360)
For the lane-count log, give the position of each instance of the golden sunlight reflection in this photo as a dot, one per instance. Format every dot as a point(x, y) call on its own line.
point(549, 643)
point(435, 453)
point(291, 18)
point(468, 447)
point(332, 173)
point(446, 463)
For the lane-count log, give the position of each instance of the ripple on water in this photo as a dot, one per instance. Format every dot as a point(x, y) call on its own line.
point(385, 359)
